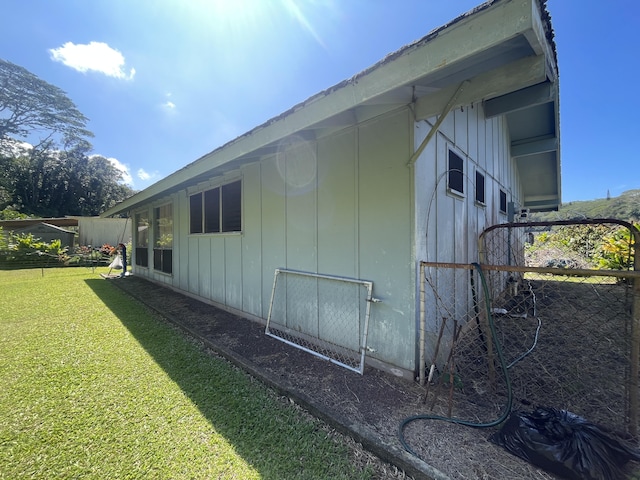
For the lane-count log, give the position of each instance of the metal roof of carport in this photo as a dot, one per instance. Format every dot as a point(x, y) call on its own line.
point(502, 50)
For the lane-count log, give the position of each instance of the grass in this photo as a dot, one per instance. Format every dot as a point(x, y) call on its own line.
point(96, 386)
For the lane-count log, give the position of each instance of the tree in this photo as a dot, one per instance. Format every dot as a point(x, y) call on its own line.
point(28, 104)
point(54, 183)
point(57, 176)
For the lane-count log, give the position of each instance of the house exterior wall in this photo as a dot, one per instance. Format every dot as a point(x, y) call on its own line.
point(340, 205)
point(448, 224)
point(348, 204)
point(483, 144)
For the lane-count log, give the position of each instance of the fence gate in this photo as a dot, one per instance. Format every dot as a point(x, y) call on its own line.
point(539, 321)
point(325, 315)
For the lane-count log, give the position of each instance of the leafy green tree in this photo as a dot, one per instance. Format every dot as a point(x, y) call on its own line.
point(57, 176)
point(58, 183)
point(28, 104)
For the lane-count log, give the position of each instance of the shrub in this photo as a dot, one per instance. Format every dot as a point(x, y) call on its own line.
point(24, 251)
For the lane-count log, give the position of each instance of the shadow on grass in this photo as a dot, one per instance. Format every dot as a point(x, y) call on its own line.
point(234, 405)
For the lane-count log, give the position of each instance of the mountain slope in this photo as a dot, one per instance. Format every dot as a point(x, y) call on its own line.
point(625, 207)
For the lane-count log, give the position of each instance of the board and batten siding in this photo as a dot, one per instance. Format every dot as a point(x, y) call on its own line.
point(339, 205)
point(448, 224)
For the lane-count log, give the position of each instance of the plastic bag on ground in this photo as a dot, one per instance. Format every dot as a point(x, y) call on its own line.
point(116, 264)
point(565, 444)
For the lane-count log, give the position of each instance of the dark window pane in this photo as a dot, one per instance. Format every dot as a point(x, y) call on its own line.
point(167, 261)
point(212, 210)
point(503, 201)
point(195, 213)
point(456, 170)
point(232, 207)
point(479, 187)
point(157, 259)
point(142, 256)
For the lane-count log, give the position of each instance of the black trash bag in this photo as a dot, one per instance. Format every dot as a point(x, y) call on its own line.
point(565, 444)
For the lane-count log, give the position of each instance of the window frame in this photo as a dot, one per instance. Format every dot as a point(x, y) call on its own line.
point(142, 246)
point(455, 176)
point(163, 249)
point(481, 180)
point(502, 201)
point(216, 210)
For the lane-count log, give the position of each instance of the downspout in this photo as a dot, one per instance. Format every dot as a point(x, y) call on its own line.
point(423, 323)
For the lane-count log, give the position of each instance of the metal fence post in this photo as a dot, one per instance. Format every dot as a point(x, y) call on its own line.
point(635, 338)
point(423, 335)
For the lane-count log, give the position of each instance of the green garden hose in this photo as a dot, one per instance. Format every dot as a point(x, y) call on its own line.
point(503, 365)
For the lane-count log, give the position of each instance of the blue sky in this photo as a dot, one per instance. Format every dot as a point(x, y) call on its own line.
point(164, 82)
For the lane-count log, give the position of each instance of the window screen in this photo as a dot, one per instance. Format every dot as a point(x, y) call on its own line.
point(195, 213)
point(480, 191)
point(212, 211)
point(456, 173)
point(217, 210)
point(503, 201)
point(231, 207)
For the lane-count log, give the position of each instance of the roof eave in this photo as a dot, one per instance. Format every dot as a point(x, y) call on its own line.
point(479, 30)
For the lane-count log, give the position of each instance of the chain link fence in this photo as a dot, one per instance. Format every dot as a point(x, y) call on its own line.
point(324, 315)
point(539, 321)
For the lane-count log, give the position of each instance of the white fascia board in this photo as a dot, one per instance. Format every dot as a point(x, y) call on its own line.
point(462, 39)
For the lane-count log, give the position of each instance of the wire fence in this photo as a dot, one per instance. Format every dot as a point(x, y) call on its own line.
point(43, 258)
point(536, 324)
point(324, 315)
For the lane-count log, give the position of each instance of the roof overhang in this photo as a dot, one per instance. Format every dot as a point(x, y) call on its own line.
point(503, 50)
point(8, 225)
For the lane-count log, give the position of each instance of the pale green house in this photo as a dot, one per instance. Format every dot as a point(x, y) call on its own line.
point(407, 161)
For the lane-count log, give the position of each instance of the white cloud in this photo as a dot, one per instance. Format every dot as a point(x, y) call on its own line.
point(95, 56)
point(124, 169)
point(15, 148)
point(144, 175)
point(169, 105)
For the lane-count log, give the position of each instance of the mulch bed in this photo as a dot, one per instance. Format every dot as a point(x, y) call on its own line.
point(368, 407)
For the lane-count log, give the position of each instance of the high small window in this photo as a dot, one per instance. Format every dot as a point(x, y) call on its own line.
point(480, 191)
point(456, 173)
point(217, 210)
point(503, 201)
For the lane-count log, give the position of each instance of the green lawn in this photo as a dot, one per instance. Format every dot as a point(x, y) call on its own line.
point(92, 385)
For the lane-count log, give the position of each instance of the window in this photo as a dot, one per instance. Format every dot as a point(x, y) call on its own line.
point(195, 212)
point(163, 238)
point(217, 210)
point(231, 211)
point(480, 191)
point(142, 239)
point(503, 201)
point(212, 211)
point(456, 173)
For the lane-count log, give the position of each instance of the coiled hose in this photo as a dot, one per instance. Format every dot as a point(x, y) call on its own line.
point(503, 365)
